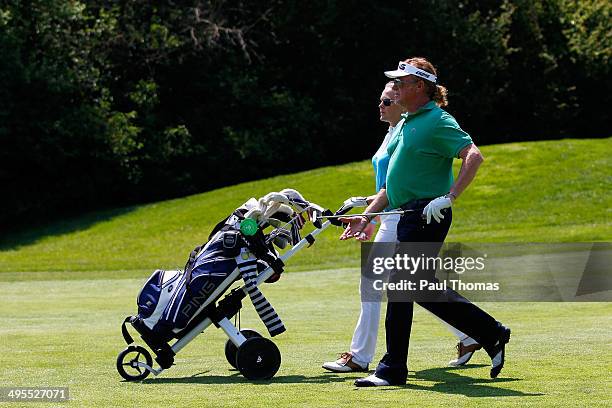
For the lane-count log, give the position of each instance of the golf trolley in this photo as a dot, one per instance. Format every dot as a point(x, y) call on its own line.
point(254, 356)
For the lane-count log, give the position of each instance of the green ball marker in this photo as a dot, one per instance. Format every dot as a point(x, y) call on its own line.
point(248, 226)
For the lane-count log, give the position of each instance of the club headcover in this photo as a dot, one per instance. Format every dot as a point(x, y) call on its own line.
point(296, 199)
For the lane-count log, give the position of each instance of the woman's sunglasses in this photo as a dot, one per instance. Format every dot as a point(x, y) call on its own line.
point(387, 102)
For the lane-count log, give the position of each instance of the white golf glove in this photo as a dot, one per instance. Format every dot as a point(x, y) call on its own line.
point(435, 207)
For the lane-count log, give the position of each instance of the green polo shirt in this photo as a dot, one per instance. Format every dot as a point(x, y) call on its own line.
point(422, 153)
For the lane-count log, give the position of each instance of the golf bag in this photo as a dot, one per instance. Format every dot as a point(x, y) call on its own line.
point(172, 302)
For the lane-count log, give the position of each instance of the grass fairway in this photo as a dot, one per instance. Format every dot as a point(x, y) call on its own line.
point(66, 333)
point(553, 191)
point(67, 286)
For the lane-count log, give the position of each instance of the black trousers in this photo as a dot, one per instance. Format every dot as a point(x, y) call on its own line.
point(458, 311)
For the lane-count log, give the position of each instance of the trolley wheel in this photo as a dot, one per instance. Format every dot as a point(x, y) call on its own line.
point(231, 349)
point(127, 363)
point(258, 358)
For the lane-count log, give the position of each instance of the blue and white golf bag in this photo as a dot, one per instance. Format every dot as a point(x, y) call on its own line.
point(169, 300)
point(172, 302)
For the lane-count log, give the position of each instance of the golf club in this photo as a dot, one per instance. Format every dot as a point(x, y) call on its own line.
point(399, 212)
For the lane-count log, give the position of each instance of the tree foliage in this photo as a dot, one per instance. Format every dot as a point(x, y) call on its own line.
point(109, 103)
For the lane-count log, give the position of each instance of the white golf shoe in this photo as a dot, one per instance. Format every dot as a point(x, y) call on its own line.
point(464, 354)
point(345, 364)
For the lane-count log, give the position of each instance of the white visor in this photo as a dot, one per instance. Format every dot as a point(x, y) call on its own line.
point(404, 69)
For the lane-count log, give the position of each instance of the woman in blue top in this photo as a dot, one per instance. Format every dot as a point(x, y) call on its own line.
point(363, 344)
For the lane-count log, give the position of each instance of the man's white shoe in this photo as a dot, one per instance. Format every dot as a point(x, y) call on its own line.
point(371, 381)
point(345, 364)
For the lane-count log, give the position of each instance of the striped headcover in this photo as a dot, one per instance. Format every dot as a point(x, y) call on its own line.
point(247, 264)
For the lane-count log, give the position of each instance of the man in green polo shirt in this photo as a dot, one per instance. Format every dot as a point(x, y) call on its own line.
point(422, 155)
point(420, 179)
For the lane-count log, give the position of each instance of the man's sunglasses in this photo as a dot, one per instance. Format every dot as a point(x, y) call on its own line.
point(398, 82)
point(387, 102)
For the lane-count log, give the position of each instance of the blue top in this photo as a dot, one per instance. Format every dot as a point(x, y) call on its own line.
point(380, 160)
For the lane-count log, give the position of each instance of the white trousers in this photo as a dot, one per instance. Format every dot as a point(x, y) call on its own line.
point(363, 344)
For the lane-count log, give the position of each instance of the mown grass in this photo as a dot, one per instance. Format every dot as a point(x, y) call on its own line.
point(67, 333)
point(552, 191)
point(67, 286)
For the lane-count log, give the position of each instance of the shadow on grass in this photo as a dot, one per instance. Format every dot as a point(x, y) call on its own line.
point(448, 381)
point(236, 378)
point(30, 234)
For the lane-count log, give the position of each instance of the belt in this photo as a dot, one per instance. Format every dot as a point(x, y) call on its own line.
point(419, 203)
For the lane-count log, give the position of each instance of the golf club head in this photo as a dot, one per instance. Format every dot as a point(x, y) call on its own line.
point(351, 203)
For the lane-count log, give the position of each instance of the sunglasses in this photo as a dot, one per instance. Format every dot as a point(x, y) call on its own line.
point(398, 82)
point(387, 102)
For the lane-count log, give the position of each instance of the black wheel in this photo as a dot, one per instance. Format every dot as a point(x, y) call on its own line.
point(127, 363)
point(258, 359)
point(231, 349)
